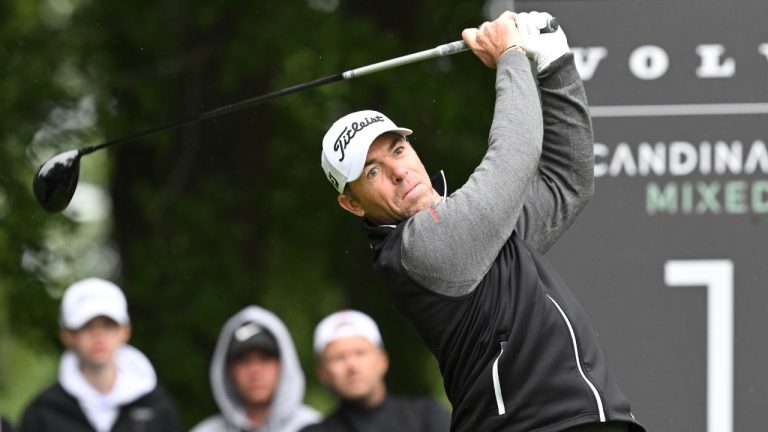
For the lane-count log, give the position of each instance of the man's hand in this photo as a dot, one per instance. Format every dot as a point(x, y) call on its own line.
point(492, 39)
point(544, 48)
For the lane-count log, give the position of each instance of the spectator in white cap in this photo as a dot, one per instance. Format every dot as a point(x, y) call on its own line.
point(352, 363)
point(104, 384)
point(256, 378)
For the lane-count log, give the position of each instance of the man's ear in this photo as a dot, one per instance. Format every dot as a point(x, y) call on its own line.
point(67, 337)
point(350, 205)
point(384, 362)
point(322, 374)
point(125, 332)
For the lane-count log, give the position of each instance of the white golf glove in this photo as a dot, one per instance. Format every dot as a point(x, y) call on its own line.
point(543, 48)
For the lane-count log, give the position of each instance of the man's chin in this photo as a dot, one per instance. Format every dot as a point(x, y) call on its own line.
point(357, 397)
point(257, 398)
point(419, 208)
point(403, 215)
point(98, 360)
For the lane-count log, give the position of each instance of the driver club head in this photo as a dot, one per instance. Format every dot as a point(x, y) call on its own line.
point(56, 181)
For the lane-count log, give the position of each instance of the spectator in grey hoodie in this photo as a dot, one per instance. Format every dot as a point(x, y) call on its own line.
point(256, 378)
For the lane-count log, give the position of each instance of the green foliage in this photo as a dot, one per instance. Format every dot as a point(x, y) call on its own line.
point(234, 211)
point(31, 368)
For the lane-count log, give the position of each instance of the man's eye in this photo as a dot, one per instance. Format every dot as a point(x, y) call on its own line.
point(372, 173)
point(399, 150)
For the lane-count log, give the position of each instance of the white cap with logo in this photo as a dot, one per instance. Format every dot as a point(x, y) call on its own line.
point(90, 298)
point(345, 145)
point(344, 324)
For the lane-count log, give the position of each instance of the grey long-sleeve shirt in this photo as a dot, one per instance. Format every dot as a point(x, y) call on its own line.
point(514, 346)
point(536, 177)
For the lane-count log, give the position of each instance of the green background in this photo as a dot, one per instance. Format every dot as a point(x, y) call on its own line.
point(204, 220)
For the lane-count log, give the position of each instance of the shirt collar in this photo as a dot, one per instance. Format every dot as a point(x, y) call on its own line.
point(440, 184)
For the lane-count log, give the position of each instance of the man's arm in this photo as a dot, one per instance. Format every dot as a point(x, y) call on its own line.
point(565, 179)
point(553, 186)
point(451, 250)
point(564, 182)
point(31, 420)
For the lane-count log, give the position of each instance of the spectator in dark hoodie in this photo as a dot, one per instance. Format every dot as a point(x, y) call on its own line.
point(104, 384)
point(256, 377)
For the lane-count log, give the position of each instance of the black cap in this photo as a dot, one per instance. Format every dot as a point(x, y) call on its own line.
point(251, 336)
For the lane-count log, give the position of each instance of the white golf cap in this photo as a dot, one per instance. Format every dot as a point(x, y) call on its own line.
point(344, 324)
point(90, 298)
point(345, 145)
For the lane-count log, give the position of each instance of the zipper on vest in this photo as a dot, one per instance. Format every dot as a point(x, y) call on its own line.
point(598, 399)
point(497, 383)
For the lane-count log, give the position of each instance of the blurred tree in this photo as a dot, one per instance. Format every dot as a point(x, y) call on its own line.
point(212, 217)
point(46, 107)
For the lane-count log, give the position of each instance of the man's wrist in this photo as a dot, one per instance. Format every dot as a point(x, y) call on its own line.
point(513, 47)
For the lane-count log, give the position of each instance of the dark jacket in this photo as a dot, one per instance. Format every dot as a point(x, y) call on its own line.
point(5, 426)
point(516, 351)
point(55, 410)
point(393, 414)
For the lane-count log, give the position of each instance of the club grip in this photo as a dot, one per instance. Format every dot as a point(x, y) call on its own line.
point(438, 51)
point(451, 48)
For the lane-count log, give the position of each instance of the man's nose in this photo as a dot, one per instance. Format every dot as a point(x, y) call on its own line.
point(352, 368)
point(398, 172)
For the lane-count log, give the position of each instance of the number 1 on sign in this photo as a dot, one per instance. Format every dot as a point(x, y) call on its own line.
point(717, 276)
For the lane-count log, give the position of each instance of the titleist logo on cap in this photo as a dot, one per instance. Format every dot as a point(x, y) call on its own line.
point(350, 131)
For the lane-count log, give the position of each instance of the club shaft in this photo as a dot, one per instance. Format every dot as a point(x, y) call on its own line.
point(237, 106)
point(438, 51)
point(441, 50)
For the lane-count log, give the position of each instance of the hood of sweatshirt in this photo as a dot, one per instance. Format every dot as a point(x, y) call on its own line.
point(289, 394)
point(135, 378)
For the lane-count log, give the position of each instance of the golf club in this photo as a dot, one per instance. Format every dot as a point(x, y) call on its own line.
point(56, 179)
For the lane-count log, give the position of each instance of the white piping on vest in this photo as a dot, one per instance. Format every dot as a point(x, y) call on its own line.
point(592, 387)
point(497, 384)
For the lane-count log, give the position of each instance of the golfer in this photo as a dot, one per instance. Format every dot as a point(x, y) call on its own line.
point(515, 349)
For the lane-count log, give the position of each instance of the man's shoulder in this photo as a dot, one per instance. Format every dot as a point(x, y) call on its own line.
point(52, 409)
point(5, 425)
point(418, 403)
point(427, 413)
point(51, 395)
point(213, 423)
point(156, 406)
point(317, 427)
point(331, 423)
point(416, 399)
point(157, 396)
